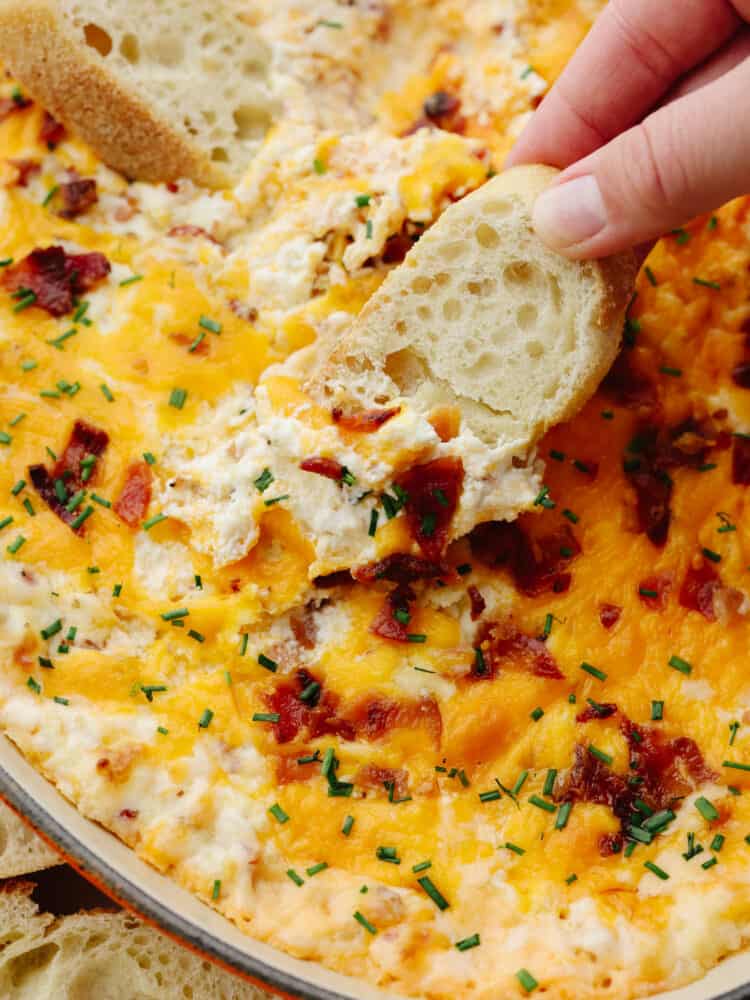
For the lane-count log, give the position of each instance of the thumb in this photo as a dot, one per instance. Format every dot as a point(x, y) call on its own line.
point(688, 157)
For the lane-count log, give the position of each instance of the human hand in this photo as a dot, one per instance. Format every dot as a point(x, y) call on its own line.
point(651, 118)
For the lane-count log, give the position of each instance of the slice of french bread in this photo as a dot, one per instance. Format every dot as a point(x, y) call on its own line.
point(483, 316)
point(21, 850)
point(161, 90)
point(99, 954)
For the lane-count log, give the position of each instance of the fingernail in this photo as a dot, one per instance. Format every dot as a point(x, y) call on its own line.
point(570, 213)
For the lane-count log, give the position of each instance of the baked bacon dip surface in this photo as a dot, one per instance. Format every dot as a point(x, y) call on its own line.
point(233, 627)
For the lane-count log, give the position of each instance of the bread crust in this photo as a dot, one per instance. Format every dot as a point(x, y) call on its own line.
point(41, 51)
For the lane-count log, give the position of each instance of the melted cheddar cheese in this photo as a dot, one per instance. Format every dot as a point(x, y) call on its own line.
point(549, 768)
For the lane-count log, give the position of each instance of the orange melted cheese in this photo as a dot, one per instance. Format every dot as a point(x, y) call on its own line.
point(204, 731)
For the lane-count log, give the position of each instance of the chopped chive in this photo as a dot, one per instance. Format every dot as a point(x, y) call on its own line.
point(177, 398)
point(559, 456)
point(470, 942)
point(6, 521)
point(659, 872)
point(131, 280)
point(707, 810)
point(374, 515)
point(549, 782)
point(519, 782)
point(657, 711)
point(29, 507)
point(266, 717)
point(679, 664)
point(718, 842)
point(216, 889)
point(106, 392)
point(707, 284)
point(81, 312)
point(60, 700)
point(263, 481)
point(50, 195)
point(571, 879)
point(421, 867)
point(243, 644)
point(44, 661)
point(29, 366)
point(712, 223)
point(520, 851)
point(320, 867)
point(668, 370)
point(543, 499)
point(275, 500)
point(6, 262)
point(19, 487)
point(35, 686)
point(82, 517)
point(5, 438)
point(196, 343)
point(491, 796)
point(198, 636)
point(205, 720)
point(658, 821)
point(212, 325)
point(540, 803)
point(318, 166)
point(433, 892)
point(149, 458)
point(573, 518)
point(75, 501)
point(736, 765)
point(267, 662)
point(594, 671)
point(117, 590)
point(537, 713)
point(310, 692)
point(605, 758)
point(151, 689)
point(651, 276)
point(278, 813)
point(346, 829)
point(464, 569)
point(50, 630)
point(710, 863)
point(295, 877)
point(16, 545)
point(170, 616)
point(733, 729)
point(361, 919)
point(710, 554)
point(362, 200)
point(153, 521)
point(368, 229)
point(526, 980)
point(417, 637)
point(59, 341)
point(683, 236)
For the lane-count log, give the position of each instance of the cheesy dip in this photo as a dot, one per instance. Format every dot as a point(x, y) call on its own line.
point(234, 626)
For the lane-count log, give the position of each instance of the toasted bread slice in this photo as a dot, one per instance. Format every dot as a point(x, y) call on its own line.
point(161, 91)
point(99, 954)
point(483, 316)
point(21, 850)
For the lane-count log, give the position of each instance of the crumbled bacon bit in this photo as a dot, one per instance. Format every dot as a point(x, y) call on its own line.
point(316, 717)
point(741, 461)
point(386, 623)
point(397, 247)
point(609, 615)
point(376, 715)
point(400, 567)
point(25, 170)
point(699, 589)
point(627, 386)
point(391, 781)
point(341, 578)
point(609, 844)
point(536, 564)
point(505, 646)
point(659, 584)
point(9, 105)
point(653, 492)
point(243, 310)
point(117, 764)
point(56, 277)
point(135, 495)
point(78, 195)
point(669, 768)
point(52, 131)
point(602, 710)
point(200, 347)
point(444, 110)
point(84, 440)
point(129, 813)
point(433, 491)
point(192, 231)
point(322, 466)
point(478, 603)
point(364, 421)
point(741, 374)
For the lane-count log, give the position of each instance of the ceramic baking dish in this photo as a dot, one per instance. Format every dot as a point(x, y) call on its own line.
point(115, 869)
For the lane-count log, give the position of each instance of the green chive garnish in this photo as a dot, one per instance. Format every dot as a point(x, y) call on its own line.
point(679, 664)
point(177, 398)
point(433, 892)
point(469, 942)
point(526, 980)
point(594, 671)
point(205, 720)
point(605, 758)
point(365, 922)
point(278, 813)
point(707, 810)
point(268, 663)
point(659, 872)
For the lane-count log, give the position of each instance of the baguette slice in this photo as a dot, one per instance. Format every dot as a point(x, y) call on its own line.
point(483, 316)
point(110, 956)
point(21, 850)
point(161, 90)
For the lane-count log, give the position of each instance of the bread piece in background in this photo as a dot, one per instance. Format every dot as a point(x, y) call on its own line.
point(21, 850)
point(109, 956)
point(483, 316)
point(160, 90)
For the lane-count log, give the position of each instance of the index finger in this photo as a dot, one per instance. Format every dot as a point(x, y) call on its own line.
point(635, 52)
